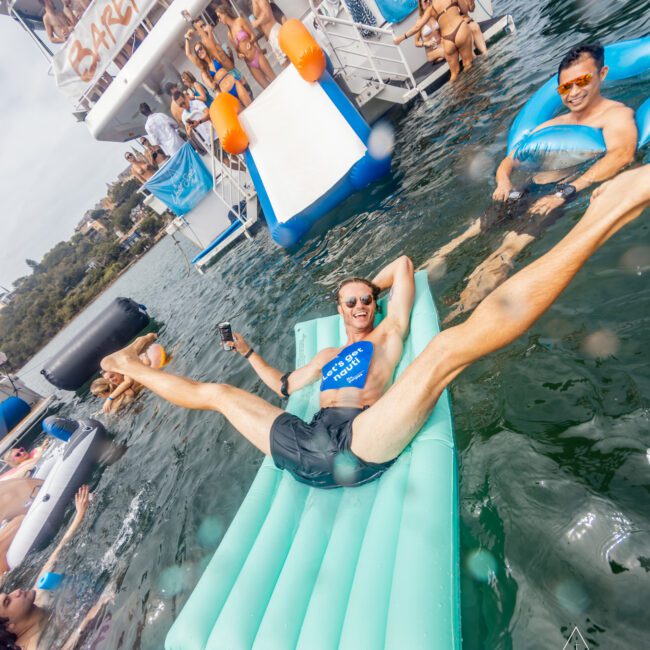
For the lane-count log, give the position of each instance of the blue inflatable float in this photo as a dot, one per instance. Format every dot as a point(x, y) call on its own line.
point(624, 60)
point(12, 411)
point(306, 146)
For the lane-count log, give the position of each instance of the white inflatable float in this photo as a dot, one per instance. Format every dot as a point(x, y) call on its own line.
point(69, 471)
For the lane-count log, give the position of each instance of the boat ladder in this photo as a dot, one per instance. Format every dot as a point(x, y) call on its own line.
point(365, 58)
point(233, 185)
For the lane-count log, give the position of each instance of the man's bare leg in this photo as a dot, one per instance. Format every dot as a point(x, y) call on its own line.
point(381, 432)
point(437, 259)
point(488, 275)
point(251, 415)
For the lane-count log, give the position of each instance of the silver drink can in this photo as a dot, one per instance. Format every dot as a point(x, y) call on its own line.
point(225, 335)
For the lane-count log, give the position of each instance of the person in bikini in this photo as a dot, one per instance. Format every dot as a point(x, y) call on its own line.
point(214, 75)
point(265, 20)
point(363, 418)
point(429, 36)
point(526, 215)
point(243, 40)
point(457, 39)
point(218, 55)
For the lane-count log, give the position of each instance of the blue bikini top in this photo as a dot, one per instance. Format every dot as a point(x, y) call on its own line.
point(349, 368)
point(217, 67)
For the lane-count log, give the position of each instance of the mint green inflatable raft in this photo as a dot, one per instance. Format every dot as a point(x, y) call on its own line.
point(362, 568)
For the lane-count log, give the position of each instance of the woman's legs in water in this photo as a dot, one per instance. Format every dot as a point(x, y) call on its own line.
point(381, 432)
point(250, 415)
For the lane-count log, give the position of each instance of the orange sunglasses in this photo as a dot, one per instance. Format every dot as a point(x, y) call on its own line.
point(581, 82)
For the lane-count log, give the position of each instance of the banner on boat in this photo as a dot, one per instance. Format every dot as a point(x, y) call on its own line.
point(99, 36)
point(182, 183)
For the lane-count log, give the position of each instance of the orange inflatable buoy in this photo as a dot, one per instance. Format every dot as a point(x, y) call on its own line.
point(302, 50)
point(223, 114)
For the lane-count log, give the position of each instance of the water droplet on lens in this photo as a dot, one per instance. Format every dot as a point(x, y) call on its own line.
point(601, 344)
point(381, 141)
point(636, 260)
point(345, 469)
point(172, 581)
point(572, 597)
point(482, 565)
point(210, 532)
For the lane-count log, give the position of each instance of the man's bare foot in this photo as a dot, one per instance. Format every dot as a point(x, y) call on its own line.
point(124, 359)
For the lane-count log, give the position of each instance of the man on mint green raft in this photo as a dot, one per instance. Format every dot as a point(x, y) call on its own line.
point(362, 416)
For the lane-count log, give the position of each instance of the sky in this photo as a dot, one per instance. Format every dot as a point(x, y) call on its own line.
point(51, 169)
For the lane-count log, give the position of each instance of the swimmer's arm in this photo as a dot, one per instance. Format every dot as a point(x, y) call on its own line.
point(399, 277)
point(504, 184)
point(621, 138)
point(81, 501)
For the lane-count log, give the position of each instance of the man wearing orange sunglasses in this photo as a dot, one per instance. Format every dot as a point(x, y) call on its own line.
point(580, 76)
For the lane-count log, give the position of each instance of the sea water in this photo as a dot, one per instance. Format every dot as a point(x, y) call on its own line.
point(552, 432)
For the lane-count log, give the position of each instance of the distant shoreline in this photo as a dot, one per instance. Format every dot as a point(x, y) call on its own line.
point(24, 369)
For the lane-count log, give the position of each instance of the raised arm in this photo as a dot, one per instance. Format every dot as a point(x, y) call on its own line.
point(424, 18)
point(272, 377)
point(188, 49)
point(81, 501)
point(399, 277)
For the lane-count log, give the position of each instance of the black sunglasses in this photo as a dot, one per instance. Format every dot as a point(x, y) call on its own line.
point(364, 300)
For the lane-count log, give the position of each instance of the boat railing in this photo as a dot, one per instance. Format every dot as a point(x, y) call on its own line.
point(362, 52)
point(231, 182)
point(111, 67)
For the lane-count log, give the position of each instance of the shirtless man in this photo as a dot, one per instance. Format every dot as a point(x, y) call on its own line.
point(153, 153)
point(368, 419)
point(57, 26)
point(265, 20)
point(580, 77)
point(140, 169)
point(25, 610)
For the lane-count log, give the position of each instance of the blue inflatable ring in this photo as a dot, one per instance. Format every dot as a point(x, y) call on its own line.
point(624, 60)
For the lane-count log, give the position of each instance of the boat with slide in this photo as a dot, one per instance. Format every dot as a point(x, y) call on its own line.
point(122, 54)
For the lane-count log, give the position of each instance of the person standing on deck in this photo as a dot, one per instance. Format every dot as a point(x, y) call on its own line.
point(265, 20)
point(161, 130)
point(57, 26)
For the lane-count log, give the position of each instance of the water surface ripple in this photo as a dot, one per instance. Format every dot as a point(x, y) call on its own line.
point(552, 438)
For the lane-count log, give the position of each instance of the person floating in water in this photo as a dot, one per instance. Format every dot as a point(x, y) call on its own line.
point(580, 76)
point(364, 418)
point(23, 612)
point(117, 390)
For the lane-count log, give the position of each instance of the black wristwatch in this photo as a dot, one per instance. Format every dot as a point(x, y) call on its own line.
point(566, 191)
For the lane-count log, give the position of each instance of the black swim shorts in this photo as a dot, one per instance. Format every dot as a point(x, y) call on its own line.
point(514, 215)
point(319, 453)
